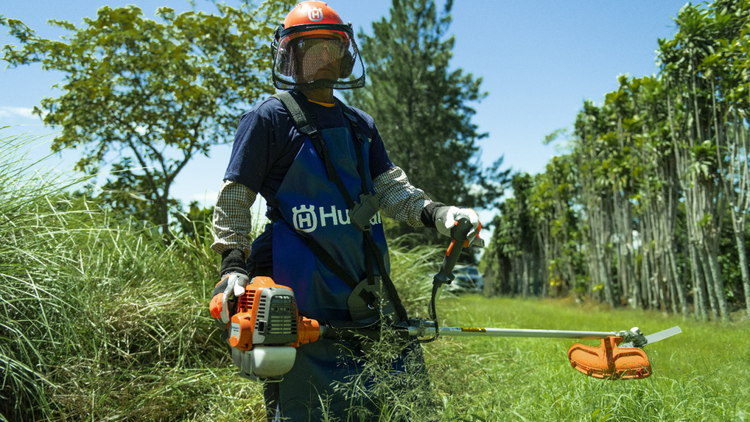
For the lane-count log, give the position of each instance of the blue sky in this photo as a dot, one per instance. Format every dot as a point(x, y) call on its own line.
point(539, 61)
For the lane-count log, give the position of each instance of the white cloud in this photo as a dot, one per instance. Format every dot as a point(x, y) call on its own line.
point(206, 199)
point(24, 112)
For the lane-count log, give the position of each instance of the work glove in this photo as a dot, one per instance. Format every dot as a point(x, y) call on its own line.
point(446, 217)
point(226, 292)
point(234, 279)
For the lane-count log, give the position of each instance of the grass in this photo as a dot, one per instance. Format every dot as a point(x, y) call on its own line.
point(701, 374)
point(100, 321)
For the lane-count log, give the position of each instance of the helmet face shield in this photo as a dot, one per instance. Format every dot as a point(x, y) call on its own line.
point(317, 56)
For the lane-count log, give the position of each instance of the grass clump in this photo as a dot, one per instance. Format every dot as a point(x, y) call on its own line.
point(100, 321)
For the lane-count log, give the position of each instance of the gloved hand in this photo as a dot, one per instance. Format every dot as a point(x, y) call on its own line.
point(234, 278)
point(445, 220)
point(231, 286)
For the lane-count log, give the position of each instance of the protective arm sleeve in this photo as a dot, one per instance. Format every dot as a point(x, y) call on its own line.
point(232, 218)
point(399, 199)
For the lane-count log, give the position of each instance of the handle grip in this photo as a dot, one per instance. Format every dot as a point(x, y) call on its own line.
point(459, 233)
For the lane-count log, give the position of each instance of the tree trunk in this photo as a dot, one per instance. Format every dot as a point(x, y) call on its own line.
point(637, 299)
point(710, 286)
point(525, 261)
point(699, 288)
point(721, 296)
point(679, 286)
point(518, 266)
point(659, 283)
point(608, 293)
point(739, 237)
point(163, 206)
point(646, 277)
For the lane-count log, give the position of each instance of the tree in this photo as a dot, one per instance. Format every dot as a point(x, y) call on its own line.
point(726, 69)
point(422, 108)
point(657, 180)
point(155, 94)
point(694, 129)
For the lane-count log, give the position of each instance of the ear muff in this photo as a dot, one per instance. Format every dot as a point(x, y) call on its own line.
point(347, 65)
point(275, 41)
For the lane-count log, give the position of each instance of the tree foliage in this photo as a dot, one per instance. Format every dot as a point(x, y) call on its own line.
point(153, 93)
point(637, 211)
point(423, 108)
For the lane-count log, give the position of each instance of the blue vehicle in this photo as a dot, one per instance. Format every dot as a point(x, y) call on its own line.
point(468, 280)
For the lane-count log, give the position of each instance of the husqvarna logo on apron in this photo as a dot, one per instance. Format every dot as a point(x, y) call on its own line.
point(315, 14)
point(305, 217)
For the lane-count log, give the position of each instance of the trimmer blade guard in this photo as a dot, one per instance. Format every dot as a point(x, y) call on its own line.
point(609, 361)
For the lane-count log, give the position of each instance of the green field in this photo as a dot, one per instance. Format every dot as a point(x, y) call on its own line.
point(701, 374)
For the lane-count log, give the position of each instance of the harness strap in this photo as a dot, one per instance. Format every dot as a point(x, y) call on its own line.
point(330, 262)
point(361, 138)
point(369, 241)
point(304, 120)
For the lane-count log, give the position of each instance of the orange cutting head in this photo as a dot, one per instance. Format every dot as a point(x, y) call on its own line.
point(610, 361)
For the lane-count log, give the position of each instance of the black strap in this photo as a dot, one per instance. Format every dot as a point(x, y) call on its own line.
point(325, 257)
point(358, 148)
point(330, 262)
point(369, 241)
point(304, 120)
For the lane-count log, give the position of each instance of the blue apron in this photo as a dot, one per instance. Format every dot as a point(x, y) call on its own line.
point(313, 206)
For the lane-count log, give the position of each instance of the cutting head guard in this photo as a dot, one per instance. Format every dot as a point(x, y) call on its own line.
point(313, 48)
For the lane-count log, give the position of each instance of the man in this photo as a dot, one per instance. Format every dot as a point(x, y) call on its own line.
point(324, 172)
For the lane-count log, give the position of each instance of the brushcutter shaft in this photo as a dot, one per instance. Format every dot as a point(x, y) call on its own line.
point(507, 332)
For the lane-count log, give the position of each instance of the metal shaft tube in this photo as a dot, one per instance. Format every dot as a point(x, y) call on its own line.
point(507, 332)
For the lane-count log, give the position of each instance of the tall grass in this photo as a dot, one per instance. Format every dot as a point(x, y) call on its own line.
point(100, 321)
point(34, 297)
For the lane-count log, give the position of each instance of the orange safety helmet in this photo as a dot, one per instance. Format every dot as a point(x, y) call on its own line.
point(313, 48)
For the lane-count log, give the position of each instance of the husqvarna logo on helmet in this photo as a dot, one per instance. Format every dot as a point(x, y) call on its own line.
point(315, 14)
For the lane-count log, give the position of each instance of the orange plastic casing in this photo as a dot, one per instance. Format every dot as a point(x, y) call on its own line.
point(308, 330)
point(243, 322)
point(610, 361)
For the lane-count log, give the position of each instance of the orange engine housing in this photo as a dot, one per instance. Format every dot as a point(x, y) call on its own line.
point(267, 315)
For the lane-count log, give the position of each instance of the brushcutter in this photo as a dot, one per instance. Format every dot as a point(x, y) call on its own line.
point(267, 328)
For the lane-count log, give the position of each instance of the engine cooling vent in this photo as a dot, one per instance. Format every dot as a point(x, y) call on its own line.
point(245, 303)
point(276, 321)
point(262, 308)
point(283, 315)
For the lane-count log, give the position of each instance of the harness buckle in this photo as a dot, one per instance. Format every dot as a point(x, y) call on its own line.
point(364, 210)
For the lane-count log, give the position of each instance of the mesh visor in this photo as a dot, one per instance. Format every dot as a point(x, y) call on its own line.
point(319, 58)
